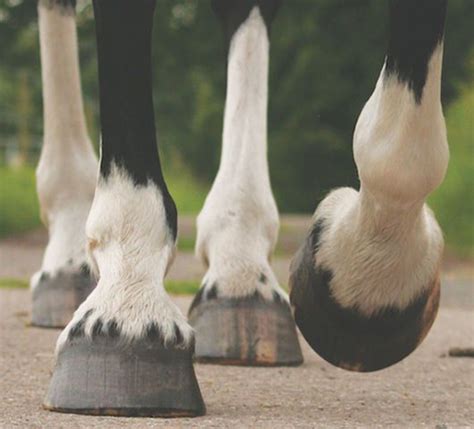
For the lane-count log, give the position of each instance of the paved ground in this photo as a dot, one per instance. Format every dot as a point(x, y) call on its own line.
point(425, 390)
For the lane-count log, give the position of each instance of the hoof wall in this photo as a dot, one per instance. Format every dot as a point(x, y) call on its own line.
point(143, 378)
point(245, 331)
point(55, 299)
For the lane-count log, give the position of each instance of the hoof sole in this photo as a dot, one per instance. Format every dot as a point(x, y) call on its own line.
point(247, 331)
point(55, 299)
point(143, 378)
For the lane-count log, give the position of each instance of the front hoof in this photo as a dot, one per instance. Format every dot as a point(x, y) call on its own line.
point(249, 331)
point(56, 298)
point(345, 337)
point(106, 376)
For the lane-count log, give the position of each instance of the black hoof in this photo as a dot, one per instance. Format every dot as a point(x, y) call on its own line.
point(104, 376)
point(343, 336)
point(244, 331)
point(55, 299)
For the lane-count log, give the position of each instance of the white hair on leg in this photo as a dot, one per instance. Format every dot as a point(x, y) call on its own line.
point(67, 170)
point(383, 244)
point(132, 247)
point(238, 225)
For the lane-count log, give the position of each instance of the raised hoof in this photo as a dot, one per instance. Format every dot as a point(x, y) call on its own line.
point(55, 299)
point(345, 337)
point(106, 377)
point(245, 331)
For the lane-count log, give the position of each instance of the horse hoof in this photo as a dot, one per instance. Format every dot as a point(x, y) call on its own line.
point(248, 331)
point(345, 337)
point(55, 299)
point(104, 376)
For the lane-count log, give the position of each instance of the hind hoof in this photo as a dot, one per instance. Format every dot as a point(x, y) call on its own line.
point(248, 331)
point(102, 376)
point(345, 337)
point(55, 299)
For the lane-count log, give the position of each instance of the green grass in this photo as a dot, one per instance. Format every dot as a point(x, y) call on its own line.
point(172, 286)
point(18, 202)
point(13, 284)
point(187, 192)
point(186, 243)
point(181, 287)
point(453, 202)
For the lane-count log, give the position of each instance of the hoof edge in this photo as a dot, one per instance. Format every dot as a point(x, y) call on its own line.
point(249, 331)
point(55, 299)
point(104, 376)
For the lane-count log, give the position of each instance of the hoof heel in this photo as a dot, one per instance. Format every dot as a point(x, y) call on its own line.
point(143, 378)
point(245, 331)
point(55, 299)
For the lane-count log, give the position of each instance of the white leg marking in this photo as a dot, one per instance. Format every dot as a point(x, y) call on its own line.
point(132, 247)
point(383, 244)
point(238, 226)
point(67, 169)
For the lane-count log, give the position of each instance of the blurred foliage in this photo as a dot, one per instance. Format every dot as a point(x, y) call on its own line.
point(188, 194)
point(325, 59)
point(19, 209)
point(10, 283)
point(453, 202)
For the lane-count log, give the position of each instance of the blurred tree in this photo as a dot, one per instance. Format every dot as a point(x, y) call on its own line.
point(453, 201)
point(24, 113)
point(325, 59)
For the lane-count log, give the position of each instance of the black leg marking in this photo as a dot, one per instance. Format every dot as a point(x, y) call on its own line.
point(343, 336)
point(277, 297)
point(255, 296)
point(233, 13)
point(97, 328)
point(204, 294)
point(126, 105)
point(77, 330)
point(44, 276)
point(416, 29)
point(178, 335)
point(85, 270)
point(153, 333)
point(198, 297)
point(113, 329)
point(65, 6)
point(212, 292)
